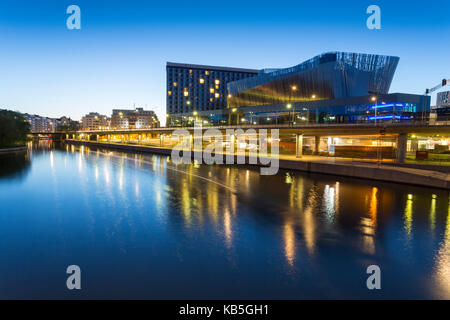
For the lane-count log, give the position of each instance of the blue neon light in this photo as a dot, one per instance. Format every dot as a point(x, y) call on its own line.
point(387, 117)
point(383, 106)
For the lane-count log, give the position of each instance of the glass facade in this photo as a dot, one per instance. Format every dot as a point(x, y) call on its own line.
point(391, 108)
point(325, 77)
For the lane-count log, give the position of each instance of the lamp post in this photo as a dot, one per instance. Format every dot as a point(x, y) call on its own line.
point(233, 110)
point(313, 96)
point(195, 118)
point(375, 99)
point(289, 106)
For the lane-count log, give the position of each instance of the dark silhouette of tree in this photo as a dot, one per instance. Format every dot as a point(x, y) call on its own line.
point(13, 129)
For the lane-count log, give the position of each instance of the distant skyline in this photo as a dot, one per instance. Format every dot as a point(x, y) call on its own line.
point(118, 58)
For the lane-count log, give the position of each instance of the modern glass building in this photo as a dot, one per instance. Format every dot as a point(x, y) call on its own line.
point(325, 77)
point(336, 87)
point(200, 88)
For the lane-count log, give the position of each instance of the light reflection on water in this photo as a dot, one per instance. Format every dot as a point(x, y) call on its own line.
point(141, 226)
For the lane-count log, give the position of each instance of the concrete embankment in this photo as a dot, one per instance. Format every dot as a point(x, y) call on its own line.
point(385, 172)
point(13, 150)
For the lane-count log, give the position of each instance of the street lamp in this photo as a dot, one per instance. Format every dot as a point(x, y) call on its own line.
point(233, 110)
point(289, 106)
point(374, 98)
point(195, 113)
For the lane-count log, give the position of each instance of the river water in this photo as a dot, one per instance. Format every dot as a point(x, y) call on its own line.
point(140, 226)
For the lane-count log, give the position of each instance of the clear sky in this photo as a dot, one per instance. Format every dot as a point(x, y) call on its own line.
point(118, 57)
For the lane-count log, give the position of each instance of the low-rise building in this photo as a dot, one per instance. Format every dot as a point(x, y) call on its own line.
point(41, 124)
point(134, 119)
point(95, 121)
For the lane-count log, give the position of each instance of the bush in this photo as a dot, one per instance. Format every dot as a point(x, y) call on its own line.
point(13, 129)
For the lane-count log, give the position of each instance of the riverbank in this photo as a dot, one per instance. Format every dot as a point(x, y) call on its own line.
point(13, 149)
point(362, 170)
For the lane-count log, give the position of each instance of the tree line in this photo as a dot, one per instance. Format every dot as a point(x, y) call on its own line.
point(13, 129)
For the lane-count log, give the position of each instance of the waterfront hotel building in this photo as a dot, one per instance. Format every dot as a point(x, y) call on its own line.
point(197, 88)
point(335, 87)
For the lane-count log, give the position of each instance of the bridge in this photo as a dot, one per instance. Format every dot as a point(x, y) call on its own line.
point(294, 139)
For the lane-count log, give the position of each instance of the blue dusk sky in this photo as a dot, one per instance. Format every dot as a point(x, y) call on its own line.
point(118, 57)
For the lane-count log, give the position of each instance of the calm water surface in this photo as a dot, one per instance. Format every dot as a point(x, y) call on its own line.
point(141, 227)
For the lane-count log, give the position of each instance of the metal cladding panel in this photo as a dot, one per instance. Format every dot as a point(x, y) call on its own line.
point(328, 76)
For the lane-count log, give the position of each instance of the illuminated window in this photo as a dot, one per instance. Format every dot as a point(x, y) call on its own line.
point(175, 84)
point(188, 102)
point(186, 94)
point(207, 73)
point(211, 99)
point(217, 81)
point(169, 93)
point(202, 80)
point(190, 71)
point(211, 90)
point(217, 95)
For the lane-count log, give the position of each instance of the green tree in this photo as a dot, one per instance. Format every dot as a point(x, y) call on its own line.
point(13, 129)
point(72, 126)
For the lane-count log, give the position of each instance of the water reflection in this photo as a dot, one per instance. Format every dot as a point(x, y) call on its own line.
point(14, 165)
point(408, 218)
point(442, 268)
point(228, 225)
